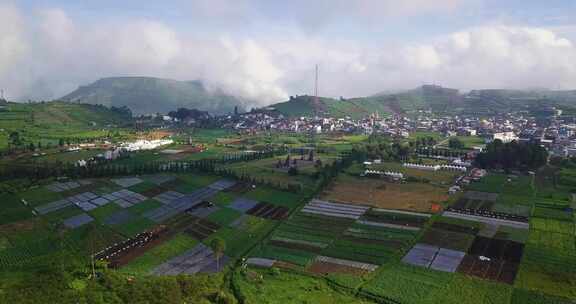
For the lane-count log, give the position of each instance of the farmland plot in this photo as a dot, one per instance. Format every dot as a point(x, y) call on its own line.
point(376, 193)
point(341, 232)
point(198, 259)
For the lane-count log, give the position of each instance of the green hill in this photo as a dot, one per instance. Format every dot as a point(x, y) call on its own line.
point(354, 108)
point(147, 95)
point(437, 99)
point(50, 121)
point(427, 97)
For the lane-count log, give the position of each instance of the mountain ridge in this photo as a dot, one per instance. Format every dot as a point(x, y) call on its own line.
point(147, 95)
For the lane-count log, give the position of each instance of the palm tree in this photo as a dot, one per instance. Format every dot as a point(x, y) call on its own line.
point(218, 246)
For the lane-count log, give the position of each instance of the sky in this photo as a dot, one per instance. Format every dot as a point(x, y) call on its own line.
point(266, 50)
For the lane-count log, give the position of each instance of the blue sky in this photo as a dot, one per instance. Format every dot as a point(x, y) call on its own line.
point(261, 16)
point(266, 50)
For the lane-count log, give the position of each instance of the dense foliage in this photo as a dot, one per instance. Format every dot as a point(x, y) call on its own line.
point(56, 285)
point(512, 155)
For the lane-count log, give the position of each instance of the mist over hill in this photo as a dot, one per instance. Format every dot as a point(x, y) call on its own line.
point(430, 97)
point(146, 95)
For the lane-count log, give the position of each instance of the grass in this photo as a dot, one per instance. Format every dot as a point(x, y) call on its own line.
point(103, 212)
point(193, 182)
point(294, 256)
point(62, 214)
point(490, 183)
point(263, 286)
point(144, 206)
point(159, 254)
point(143, 186)
point(443, 177)
point(12, 210)
point(39, 196)
point(413, 196)
point(239, 241)
point(50, 121)
point(224, 216)
point(133, 227)
point(223, 198)
point(265, 170)
point(408, 284)
point(522, 296)
point(276, 197)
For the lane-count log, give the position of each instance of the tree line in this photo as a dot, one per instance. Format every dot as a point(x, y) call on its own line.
point(512, 155)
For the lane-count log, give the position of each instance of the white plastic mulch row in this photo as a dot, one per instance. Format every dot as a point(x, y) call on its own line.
point(487, 220)
point(387, 225)
point(354, 217)
point(402, 212)
point(354, 264)
point(261, 262)
point(337, 205)
point(301, 242)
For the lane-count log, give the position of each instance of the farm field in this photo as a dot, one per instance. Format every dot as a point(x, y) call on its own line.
point(504, 194)
point(507, 238)
point(45, 124)
point(406, 196)
point(121, 208)
point(266, 169)
point(408, 284)
point(550, 255)
point(440, 177)
point(266, 286)
point(326, 237)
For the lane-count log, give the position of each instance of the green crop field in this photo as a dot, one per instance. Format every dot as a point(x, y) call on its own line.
point(224, 216)
point(262, 286)
point(159, 254)
point(51, 121)
point(240, 239)
point(407, 284)
point(392, 216)
point(279, 198)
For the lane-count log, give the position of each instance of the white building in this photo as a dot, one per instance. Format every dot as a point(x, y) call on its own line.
point(505, 137)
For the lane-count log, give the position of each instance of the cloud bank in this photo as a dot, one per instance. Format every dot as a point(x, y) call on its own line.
point(46, 53)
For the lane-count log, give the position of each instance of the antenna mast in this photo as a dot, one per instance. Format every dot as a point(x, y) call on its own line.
point(316, 101)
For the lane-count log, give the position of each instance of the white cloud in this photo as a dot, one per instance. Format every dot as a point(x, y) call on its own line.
point(13, 46)
point(48, 53)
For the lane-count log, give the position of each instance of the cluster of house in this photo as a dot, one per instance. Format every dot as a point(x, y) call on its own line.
point(475, 174)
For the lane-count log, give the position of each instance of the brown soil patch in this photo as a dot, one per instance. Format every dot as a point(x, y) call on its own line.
point(27, 225)
point(326, 267)
point(409, 196)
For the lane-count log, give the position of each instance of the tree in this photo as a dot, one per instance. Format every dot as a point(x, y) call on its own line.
point(455, 143)
point(293, 171)
point(15, 139)
point(218, 245)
